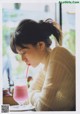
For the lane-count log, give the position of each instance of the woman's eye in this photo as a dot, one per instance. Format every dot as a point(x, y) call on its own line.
point(24, 53)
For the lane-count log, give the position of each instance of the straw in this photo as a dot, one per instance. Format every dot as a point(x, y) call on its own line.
point(27, 71)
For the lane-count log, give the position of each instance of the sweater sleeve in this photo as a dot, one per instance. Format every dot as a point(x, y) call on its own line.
point(58, 79)
point(38, 81)
point(36, 85)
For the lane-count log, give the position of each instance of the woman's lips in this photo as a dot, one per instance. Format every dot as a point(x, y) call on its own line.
point(27, 63)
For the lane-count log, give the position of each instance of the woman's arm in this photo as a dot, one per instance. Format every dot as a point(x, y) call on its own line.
point(36, 85)
point(58, 88)
point(38, 81)
point(44, 100)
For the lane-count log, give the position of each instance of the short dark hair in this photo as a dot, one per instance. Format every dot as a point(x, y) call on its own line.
point(31, 32)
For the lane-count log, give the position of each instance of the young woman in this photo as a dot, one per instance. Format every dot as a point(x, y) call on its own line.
point(54, 87)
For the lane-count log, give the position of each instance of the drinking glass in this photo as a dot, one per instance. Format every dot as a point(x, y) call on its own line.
point(20, 93)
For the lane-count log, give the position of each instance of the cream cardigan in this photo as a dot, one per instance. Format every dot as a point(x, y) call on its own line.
point(54, 89)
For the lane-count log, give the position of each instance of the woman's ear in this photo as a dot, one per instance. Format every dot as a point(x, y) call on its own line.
point(41, 45)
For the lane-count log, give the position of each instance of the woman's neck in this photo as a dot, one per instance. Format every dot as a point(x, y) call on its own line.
point(46, 58)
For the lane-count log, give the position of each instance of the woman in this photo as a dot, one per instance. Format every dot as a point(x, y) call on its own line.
point(54, 87)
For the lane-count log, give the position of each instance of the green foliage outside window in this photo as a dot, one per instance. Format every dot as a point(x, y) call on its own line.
point(69, 40)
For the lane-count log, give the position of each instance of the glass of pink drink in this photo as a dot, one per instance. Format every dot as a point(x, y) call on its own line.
point(20, 94)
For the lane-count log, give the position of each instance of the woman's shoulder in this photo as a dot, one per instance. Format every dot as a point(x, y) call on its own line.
point(61, 52)
point(59, 49)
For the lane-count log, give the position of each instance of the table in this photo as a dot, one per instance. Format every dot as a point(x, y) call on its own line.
point(17, 108)
point(9, 100)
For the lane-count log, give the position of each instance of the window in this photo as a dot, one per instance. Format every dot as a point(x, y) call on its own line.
point(68, 26)
point(12, 14)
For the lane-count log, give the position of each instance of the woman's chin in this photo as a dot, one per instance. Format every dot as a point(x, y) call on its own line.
point(35, 65)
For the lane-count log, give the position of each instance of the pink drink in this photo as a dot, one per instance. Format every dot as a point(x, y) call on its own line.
point(20, 93)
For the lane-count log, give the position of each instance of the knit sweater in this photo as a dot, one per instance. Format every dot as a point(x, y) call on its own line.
point(54, 89)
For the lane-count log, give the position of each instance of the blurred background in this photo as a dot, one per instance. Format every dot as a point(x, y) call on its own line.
point(13, 13)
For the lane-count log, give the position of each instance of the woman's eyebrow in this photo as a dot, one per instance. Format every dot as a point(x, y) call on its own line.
point(23, 48)
point(26, 47)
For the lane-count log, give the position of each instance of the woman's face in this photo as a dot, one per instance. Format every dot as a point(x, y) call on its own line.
point(31, 55)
